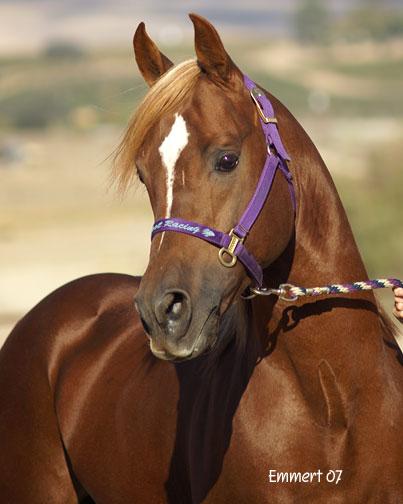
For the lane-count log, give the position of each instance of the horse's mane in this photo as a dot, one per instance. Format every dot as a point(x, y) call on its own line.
point(164, 96)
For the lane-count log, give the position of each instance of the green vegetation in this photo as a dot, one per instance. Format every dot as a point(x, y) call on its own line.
point(385, 70)
point(312, 22)
point(60, 49)
point(374, 208)
point(53, 103)
point(47, 90)
point(369, 20)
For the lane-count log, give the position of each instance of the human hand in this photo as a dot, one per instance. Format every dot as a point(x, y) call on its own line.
point(398, 309)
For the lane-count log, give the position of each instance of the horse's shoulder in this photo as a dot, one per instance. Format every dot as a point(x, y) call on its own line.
point(96, 289)
point(76, 309)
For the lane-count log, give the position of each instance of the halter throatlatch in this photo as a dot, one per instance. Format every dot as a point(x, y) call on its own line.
point(231, 244)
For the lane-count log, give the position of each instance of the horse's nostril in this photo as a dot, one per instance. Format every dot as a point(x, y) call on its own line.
point(169, 306)
point(172, 311)
point(175, 304)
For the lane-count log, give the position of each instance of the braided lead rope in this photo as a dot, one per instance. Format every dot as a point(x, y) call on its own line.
point(379, 283)
point(289, 292)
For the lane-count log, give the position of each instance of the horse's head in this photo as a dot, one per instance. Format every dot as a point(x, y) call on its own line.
point(198, 147)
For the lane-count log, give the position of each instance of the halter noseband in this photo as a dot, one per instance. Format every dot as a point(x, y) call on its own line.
point(231, 244)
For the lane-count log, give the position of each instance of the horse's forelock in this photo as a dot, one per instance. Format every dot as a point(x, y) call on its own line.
point(164, 96)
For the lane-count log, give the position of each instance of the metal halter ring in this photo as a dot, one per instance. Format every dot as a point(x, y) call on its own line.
point(230, 250)
point(283, 292)
point(286, 292)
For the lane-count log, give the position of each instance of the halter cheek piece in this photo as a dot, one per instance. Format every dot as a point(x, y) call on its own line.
point(231, 244)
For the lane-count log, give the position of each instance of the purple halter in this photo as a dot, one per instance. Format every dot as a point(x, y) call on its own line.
point(231, 244)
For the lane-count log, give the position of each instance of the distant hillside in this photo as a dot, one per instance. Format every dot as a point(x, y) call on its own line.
point(27, 25)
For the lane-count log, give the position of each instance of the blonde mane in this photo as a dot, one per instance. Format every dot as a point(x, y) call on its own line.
point(164, 96)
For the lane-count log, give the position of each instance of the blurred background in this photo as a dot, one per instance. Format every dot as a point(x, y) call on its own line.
point(68, 84)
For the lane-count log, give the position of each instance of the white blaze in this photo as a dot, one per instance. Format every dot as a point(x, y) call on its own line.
point(170, 150)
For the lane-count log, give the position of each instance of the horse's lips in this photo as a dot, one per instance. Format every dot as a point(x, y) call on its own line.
point(164, 355)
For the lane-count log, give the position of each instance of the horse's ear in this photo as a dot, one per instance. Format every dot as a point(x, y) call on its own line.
point(150, 60)
point(211, 54)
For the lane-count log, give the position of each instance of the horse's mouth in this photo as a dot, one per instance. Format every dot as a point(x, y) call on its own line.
point(204, 342)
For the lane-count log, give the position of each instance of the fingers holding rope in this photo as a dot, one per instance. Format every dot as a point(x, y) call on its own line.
point(398, 309)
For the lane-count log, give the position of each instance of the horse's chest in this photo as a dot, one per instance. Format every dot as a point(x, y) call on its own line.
point(271, 431)
point(212, 447)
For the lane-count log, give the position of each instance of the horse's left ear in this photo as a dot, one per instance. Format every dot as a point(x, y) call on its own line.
point(212, 57)
point(150, 60)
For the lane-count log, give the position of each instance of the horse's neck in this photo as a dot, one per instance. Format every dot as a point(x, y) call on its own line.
point(325, 250)
point(344, 330)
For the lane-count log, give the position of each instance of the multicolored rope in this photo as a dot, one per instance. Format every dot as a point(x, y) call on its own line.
point(289, 292)
point(292, 291)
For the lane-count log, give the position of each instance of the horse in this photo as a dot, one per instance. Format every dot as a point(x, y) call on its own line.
point(180, 387)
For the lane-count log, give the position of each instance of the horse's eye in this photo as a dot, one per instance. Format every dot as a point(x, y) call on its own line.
point(227, 162)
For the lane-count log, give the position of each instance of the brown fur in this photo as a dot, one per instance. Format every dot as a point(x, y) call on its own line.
point(88, 414)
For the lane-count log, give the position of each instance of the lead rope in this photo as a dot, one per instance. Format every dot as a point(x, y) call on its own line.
point(289, 292)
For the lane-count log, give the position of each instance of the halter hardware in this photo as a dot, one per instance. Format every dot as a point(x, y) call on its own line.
point(230, 250)
point(284, 292)
point(256, 93)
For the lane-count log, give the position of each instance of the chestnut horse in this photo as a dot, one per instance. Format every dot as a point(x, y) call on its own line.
point(265, 401)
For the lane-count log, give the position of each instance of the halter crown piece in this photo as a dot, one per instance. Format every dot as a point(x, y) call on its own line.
point(231, 244)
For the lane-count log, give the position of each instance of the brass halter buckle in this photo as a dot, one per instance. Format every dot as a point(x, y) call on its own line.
point(256, 93)
point(230, 250)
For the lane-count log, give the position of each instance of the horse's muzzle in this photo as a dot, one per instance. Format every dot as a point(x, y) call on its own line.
point(167, 320)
